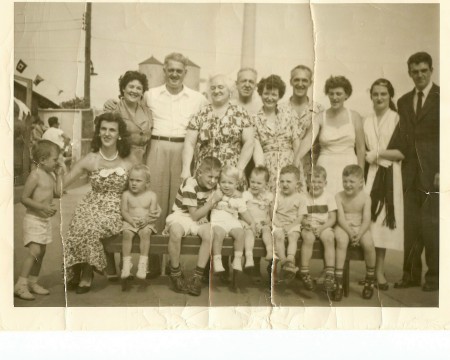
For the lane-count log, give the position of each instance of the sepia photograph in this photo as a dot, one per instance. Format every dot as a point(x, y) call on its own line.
point(251, 155)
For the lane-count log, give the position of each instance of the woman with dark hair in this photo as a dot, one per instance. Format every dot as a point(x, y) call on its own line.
point(97, 216)
point(278, 131)
point(135, 113)
point(340, 133)
point(384, 177)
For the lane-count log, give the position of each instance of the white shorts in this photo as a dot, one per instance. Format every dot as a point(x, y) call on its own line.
point(37, 230)
point(293, 229)
point(227, 224)
point(189, 226)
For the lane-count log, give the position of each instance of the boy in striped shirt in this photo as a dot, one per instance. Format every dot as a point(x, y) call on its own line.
point(194, 200)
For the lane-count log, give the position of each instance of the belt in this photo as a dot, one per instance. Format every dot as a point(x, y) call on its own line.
point(165, 138)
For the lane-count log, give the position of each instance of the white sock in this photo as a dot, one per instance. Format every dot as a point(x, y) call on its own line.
point(22, 281)
point(143, 259)
point(249, 254)
point(238, 254)
point(217, 258)
point(32, 279)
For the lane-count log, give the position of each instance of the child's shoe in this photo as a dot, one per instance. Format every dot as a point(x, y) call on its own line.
point(367, 292)
point(195, 287)
point(35, 288)
point(179, 284)
point(308, 283)
point(237, 263)
point(127, 265)
point(142, 268)
point(328, 283)
point(218, 266)
point(249, 262)
point(339, 292)
point(321, 279)
point(289, 270)
point(21, 291)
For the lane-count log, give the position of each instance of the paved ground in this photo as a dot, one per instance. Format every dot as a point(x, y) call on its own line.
point(157, 292)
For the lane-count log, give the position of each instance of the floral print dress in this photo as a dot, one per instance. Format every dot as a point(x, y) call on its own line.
point(219, 137)
point(96, 217)
point(277, 143)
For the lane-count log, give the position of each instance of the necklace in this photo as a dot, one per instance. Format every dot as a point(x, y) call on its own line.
point(108, 159)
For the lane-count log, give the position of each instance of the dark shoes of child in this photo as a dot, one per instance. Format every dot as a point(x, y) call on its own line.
point(178, 283)
point(195, 287)
point(339, 292)
point(369, 285)
point(307, 281)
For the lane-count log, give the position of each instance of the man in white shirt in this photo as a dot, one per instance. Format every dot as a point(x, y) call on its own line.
point(55, 134)
point(172, 105)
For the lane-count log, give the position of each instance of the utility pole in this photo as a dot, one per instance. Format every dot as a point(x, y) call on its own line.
point(248, 36)
point(87, 56)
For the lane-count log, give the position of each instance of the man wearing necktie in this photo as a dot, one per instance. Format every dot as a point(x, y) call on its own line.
point(419, 126)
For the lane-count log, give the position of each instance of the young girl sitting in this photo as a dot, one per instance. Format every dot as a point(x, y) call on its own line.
point(40, 188)
point(140, 210)
point(259, 202)
point(224, 219)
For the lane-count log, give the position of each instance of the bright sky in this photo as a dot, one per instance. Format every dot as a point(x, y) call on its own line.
point(360, 41)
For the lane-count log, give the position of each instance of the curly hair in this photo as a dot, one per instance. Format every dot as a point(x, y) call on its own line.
point(130, 76)
point(291, 169)
point(272, 82)
point(123, 145)
point(334, 82)
point(43, 149)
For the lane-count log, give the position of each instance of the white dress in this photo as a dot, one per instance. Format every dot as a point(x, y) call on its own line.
point(378, 135)
point(337, 150)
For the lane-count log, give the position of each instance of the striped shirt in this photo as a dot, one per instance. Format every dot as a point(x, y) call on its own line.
point(190, 194)
point(317, 209)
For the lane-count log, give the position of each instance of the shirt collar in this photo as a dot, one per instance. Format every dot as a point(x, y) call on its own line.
point(425, 91)
point(183, 92)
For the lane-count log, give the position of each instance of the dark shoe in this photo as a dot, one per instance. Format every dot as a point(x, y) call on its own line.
point(404, 284)
point(429, 287)
point(339, 292)
point(308, 283)
point(382, 287)
point(224, 277)
point(179, 284)
point(195, 287)
point(83, 289)
point(329, 283)
point(153, 274)
point(367, 292)
point(72, 284)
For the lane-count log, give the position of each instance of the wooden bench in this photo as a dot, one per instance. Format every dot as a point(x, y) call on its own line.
point(190, 246)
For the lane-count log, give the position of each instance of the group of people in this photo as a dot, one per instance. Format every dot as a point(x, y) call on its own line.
point(169, 160)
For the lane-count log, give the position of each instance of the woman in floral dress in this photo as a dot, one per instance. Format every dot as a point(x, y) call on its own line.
point(278, 131)
point(97, 216)
point(219, 129)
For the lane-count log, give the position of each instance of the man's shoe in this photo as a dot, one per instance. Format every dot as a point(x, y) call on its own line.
point(404, 284)
point(429, 287)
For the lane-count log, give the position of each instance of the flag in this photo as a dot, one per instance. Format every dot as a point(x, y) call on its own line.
point(21, 66)
point(37, 80)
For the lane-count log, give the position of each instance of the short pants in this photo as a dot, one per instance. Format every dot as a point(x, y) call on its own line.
point(37, 229)
point(189, 226)
point(127, 226)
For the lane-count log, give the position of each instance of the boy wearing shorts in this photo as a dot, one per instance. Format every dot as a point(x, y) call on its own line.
point(41, 186)
point(354, 219)
point(319, 217)
point(286, 220)
point(195, 199)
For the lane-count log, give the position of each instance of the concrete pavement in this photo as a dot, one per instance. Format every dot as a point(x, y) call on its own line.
point(158, 293)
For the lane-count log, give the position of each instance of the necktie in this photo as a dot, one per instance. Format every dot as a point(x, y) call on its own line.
point(419, 104)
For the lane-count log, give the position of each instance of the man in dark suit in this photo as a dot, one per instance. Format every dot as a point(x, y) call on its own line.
point(419, 126)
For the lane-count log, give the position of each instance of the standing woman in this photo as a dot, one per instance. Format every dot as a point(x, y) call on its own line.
point(384, 178)
point(277, 131)
point(340, 134)
point(98, 215)
point(136, 115)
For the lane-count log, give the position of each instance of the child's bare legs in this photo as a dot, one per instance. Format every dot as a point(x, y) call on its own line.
point(127, 243)
point(249, 244)
point(267, 239)
point(218, 236)
point(369, 256)
point(144, 248)
point(30, 271)
point(379, 265)
point(176, 232)
point(308, 239)
point(292, 246)
point(280, 249)
point(238, 235)
point(205, 234)
point(342, 240)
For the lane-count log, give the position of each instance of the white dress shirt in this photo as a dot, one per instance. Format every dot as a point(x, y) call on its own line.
point(171, 113)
